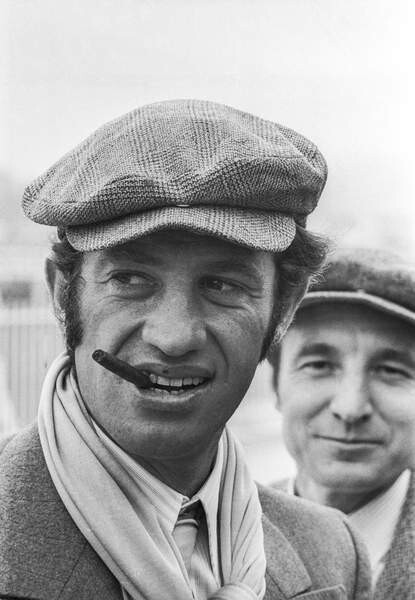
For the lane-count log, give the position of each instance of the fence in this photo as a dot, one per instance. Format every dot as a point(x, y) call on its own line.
point(29, 340)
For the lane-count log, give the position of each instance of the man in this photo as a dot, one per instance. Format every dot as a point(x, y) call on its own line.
point(345, 381)
point(181, 256)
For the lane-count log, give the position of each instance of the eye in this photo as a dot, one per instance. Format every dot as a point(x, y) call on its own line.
point(132, 281)
point(223, 291)
point(393, 372)
point(128, 278)
point(317, 367)
point(219, 285)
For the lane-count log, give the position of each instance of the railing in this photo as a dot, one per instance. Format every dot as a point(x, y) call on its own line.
point(29, 340)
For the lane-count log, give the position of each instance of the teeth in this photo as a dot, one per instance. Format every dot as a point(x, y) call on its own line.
point(163, 380)
point(176, 382)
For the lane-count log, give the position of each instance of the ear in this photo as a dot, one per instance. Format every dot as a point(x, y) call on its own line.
point(56, 284)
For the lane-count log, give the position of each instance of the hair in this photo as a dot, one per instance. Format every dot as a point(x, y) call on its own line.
point(295, 267)
point(69, 262)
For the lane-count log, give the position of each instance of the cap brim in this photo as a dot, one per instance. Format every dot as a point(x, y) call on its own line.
point(359, 297)
point(261, 230)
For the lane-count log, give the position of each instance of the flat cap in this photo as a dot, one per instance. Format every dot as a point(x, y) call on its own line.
point(188, 164)
point(374, 277)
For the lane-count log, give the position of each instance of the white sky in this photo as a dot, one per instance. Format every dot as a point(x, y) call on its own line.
point(339, 71)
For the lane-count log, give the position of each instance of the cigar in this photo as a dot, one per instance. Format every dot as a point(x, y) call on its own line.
point(122, 369)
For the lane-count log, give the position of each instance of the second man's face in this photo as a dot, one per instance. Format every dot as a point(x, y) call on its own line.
point(190, 310)
point(346, 390)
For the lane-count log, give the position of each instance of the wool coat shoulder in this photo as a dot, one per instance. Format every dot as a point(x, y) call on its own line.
point(397, 580)
point(311, 552)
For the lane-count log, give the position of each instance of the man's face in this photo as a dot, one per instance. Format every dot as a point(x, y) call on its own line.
point(190, 310)
point(346, 390)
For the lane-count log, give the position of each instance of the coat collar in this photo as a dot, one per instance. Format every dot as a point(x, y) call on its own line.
point(286, 575)
point(45, 556)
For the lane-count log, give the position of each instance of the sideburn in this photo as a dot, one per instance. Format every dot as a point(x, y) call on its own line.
point(72, 321)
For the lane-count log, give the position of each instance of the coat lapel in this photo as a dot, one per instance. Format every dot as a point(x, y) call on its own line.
point(42, 553)
point(286, 576)
point(398, 577)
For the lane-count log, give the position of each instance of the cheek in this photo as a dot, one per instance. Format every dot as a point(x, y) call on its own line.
point(294, 411)
point(395, 406)
point(401, 428)
point(237, 344)
point(299, 403)
point(295, 426)
point(244, 336)
point(104, 322)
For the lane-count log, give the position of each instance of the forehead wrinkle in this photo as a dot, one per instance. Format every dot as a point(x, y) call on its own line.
point(133, 253)
point(247, 268)
point(314, 337)
point(348, 337)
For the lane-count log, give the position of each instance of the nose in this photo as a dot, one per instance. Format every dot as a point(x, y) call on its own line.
point(175, 326)
point(351, 402)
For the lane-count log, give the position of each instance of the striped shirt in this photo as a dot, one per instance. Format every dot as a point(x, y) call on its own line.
point(203, 576)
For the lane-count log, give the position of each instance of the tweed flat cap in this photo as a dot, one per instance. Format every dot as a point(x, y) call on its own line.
point(373, 277)
point(186, 164)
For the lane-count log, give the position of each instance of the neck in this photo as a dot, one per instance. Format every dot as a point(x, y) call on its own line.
point(184, 474)
point(343, 499)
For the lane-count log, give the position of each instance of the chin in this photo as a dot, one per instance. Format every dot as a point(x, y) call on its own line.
point(161, 447)
point(350, 478)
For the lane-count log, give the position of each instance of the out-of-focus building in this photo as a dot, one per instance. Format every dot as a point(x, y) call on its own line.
point(21, 275)
point(29, 337)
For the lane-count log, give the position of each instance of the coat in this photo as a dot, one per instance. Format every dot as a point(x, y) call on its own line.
point(397, 580)
point(311, 552)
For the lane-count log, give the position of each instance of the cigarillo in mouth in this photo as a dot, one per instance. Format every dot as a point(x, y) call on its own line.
point(122, 369)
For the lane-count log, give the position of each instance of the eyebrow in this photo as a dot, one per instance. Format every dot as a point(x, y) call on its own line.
point(246, 267)
point(397, 355)
point(315, 348)
point(381, 354)
point(137, 257)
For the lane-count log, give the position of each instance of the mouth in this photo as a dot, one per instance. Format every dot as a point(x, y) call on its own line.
point(174, 386)
point(172, 395)
point(185, 380)
point(349, 441)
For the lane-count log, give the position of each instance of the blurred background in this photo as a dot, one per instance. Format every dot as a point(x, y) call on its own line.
point(338, 71)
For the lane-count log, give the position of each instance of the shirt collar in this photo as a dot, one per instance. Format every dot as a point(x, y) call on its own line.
point(167, 501)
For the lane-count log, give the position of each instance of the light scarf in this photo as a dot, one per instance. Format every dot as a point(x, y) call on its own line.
point(122, 527)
